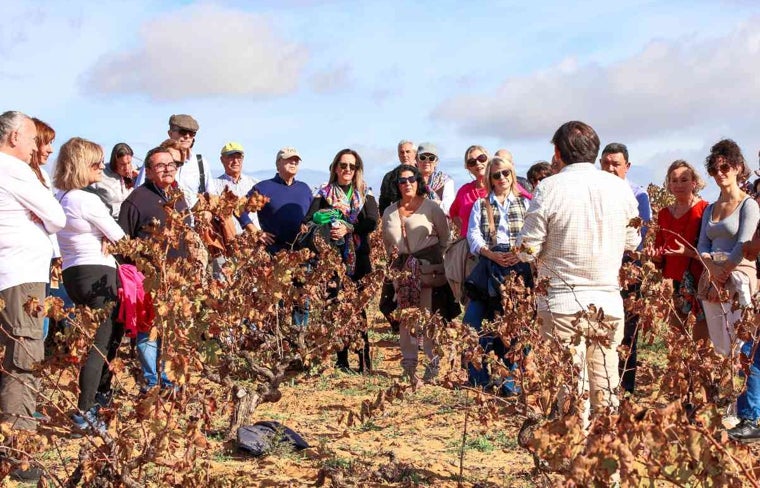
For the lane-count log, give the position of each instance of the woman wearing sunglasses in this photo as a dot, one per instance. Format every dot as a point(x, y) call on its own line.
point(439, 185)
point(348, 213)
point(492, 232)
point(89, 274)
point(726, 224)
point(417, 228)
point(475, 159)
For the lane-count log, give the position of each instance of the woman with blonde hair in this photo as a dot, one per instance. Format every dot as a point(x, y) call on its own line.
point(89, 275)
point(677, 234)
point(495, 222)
point(346, 209)
point(475, 159)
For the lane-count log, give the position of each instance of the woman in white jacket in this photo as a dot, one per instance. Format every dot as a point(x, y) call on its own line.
point(89, 274)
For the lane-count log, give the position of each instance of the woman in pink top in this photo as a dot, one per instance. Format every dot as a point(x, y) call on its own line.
point(475, 159)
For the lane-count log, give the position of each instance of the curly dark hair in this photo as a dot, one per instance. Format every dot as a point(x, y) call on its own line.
point(731, 153)
point(415, 172)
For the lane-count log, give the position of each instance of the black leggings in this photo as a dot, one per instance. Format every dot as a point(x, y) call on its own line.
point(95, 286)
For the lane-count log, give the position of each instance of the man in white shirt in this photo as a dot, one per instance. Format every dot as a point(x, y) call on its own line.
point(29, 214)
point(576, 229)
point(232, 156)
point(193, 175)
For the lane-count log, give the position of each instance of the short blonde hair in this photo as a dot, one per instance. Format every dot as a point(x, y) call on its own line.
point(472, 148)
point(680, 163)
point(501, 163)
point(72, 168)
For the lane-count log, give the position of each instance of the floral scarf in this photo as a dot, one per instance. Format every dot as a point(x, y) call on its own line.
point(435, 185)
point(350, 204)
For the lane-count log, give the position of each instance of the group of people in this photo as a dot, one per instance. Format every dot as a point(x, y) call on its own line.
point(567, 223)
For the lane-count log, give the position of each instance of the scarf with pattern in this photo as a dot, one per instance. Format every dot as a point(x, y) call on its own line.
point(349, 206)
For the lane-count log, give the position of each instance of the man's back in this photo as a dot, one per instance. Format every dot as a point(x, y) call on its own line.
point(577, 226)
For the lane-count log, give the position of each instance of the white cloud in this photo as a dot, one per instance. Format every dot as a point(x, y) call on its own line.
point(202, 50)
point(669, 87)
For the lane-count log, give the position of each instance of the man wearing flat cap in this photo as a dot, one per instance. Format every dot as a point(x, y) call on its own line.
point(193, 174)
point(289, 200)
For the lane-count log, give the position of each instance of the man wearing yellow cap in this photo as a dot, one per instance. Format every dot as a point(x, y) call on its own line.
point(234, 179)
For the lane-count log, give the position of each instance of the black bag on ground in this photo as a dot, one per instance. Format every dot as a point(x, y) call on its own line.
point(258, 438)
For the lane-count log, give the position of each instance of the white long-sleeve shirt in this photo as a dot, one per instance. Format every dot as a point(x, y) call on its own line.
point(475, 236)
point(25, 246)
point(88, 221)
point(577, 230)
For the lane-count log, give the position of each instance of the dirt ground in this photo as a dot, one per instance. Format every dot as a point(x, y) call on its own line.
point(415, 441)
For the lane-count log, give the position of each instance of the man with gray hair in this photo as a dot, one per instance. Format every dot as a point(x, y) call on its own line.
point(407, 154)
point(29, 215)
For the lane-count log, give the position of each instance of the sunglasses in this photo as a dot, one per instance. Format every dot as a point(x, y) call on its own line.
point(97, 164)
point(722, 168)
point(350, 166)
point(503, 173)
point(428, 157)
point(409, 180)
point(474, 161)
point(185, 132)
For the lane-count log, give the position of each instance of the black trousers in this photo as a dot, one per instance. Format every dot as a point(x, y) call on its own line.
point(95, 286)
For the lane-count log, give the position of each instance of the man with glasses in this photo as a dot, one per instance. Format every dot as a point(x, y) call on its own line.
point(289, 200)
point(138, 212)
point(407, 154)
point(233, 179)
point(615, 161)
point(193, 174)
point(146, 203)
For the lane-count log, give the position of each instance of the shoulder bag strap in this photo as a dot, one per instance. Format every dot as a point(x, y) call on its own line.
point(202, 183)
point(491, 225)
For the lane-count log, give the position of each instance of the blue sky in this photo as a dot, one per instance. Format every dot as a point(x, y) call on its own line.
point(666, 78)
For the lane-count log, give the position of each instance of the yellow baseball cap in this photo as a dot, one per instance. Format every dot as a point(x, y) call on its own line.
point(232, 148)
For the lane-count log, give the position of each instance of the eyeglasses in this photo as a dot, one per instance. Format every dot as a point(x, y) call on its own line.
point(97, 164)
point(503, 173)
point(185, 132)
point(406, 180)
point(428, 157)
point(350, 166)
point(722, 168)
point(177, 164)
point(164, 166)
point(474, 161)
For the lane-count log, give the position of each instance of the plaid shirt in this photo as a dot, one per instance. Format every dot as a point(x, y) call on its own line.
point(577, 228)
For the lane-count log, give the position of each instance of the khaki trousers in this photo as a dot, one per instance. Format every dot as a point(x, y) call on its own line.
point(598, 364)
point(21, 334)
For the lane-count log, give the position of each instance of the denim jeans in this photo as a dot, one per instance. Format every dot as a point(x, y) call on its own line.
point(147, 352)
point(476, 312)
point(748, 403)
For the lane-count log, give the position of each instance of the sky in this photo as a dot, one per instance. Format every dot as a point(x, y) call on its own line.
point(669, 79)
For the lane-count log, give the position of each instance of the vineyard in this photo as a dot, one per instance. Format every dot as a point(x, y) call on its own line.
point(236, 357)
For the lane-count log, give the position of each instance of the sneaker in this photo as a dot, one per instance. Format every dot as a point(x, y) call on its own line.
point(90, 422)
point(104, 399)
point(746, 432)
